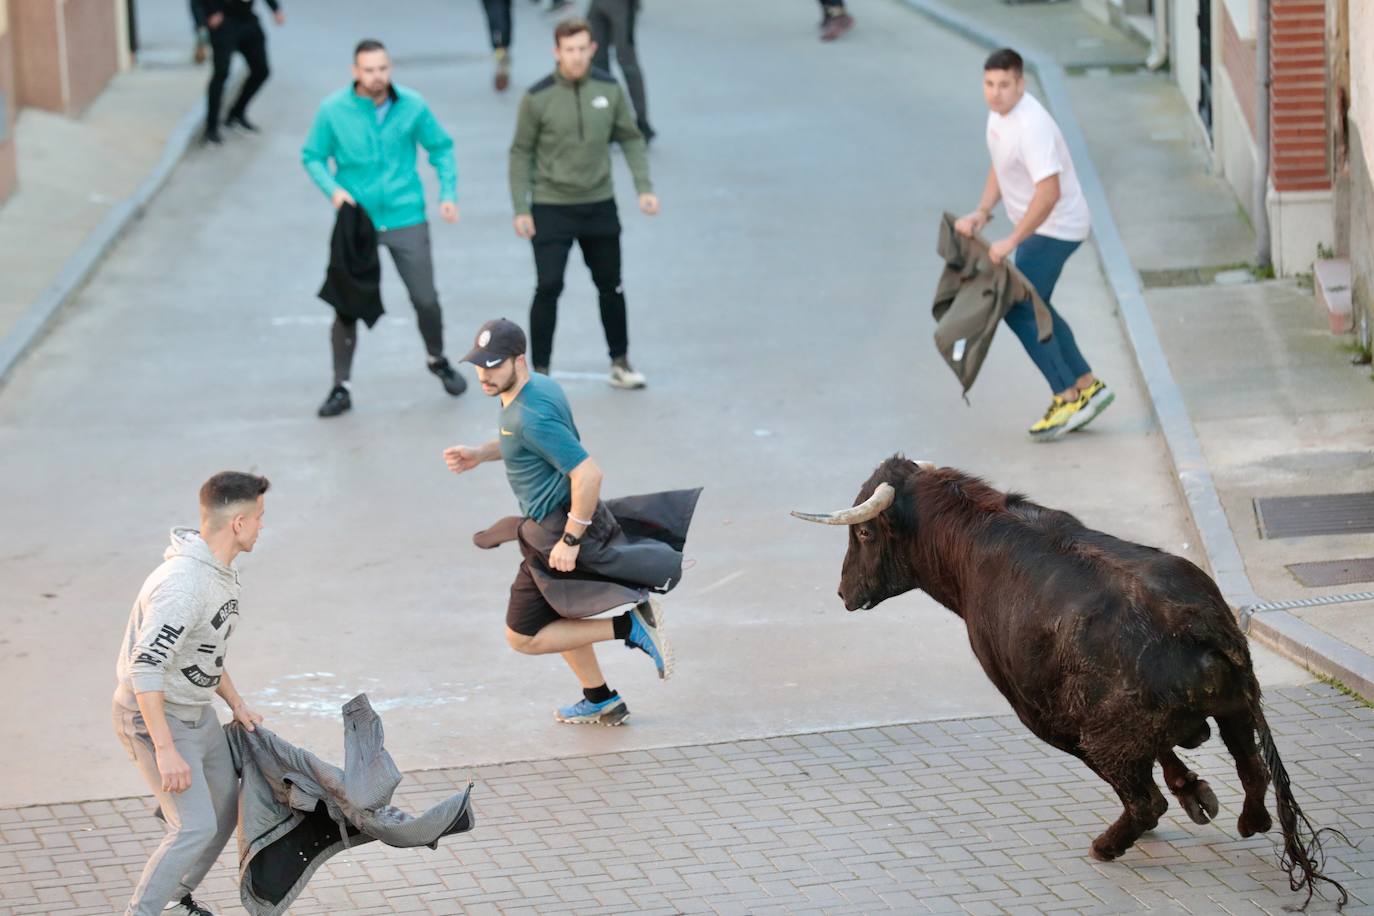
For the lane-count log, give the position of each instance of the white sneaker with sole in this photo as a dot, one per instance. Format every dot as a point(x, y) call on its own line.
point(622, 375)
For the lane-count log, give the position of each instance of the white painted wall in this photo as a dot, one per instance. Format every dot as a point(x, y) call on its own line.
point(1299, 221)
point(1183, 49)
point(1234, 152)
point(1362, 74)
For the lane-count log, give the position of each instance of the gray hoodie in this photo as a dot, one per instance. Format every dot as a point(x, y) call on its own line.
point(179, 629)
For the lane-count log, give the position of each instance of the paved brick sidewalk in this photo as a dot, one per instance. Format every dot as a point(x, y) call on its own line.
point(972, 815)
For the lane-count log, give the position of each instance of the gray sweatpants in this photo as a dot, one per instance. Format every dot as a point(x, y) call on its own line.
point(613, 23)
point(410, 252)
point(199, 820)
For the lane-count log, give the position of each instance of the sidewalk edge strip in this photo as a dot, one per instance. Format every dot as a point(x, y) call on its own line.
point(39, 317)
point(1294, 638)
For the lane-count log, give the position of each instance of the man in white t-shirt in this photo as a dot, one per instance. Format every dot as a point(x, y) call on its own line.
point(1033, 175)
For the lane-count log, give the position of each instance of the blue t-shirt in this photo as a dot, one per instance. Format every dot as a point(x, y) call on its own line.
point(540, 446)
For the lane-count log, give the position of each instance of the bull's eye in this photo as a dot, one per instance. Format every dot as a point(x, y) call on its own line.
point(864, 532)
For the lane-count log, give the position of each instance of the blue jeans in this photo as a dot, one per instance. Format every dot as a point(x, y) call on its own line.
point(1041, 259)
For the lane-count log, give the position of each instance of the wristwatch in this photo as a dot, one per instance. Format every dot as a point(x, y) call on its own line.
point(571, 540)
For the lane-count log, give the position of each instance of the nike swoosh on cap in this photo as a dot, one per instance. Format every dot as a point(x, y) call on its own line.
point(493, 362)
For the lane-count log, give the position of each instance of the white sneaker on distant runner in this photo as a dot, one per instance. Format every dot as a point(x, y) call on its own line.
point(624, 376)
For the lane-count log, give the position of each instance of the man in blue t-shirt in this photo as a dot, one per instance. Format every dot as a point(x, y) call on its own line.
point(558, 487)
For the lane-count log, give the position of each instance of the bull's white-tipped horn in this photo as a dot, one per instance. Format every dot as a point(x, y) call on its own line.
point(925, 465)
point(868, 509)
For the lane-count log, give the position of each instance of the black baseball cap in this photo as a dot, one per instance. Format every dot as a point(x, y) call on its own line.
point(497, 340)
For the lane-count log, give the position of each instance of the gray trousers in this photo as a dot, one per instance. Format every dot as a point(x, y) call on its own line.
point(613, 23)
point(199, 821)
point(410, 252)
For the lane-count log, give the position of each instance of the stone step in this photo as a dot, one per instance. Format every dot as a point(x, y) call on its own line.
point(1331, 280)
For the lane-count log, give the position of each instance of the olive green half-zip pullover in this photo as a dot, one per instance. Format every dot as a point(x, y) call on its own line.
point(561, 153)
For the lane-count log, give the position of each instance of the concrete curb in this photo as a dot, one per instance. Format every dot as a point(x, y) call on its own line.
point(1284, 632)
point(39, 316)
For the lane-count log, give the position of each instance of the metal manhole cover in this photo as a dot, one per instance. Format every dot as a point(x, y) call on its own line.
point(1301, 516)
point(1333, 572)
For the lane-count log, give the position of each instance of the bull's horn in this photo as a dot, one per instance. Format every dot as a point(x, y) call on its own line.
point(868, 509)
point(925, 465)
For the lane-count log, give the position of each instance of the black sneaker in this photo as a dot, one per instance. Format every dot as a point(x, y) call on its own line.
point(337, 402)
point(242, 123)
point(454, 383)
point(189, 906)
point(648, 132)
point(211, 136)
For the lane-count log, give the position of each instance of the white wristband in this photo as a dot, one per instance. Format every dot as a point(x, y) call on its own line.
point(584, 523)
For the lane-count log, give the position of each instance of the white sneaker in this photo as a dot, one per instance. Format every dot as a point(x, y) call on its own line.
point(188, 907)
point(624, 376)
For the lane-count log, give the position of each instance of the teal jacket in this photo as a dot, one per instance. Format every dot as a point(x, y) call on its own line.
point(376, 162)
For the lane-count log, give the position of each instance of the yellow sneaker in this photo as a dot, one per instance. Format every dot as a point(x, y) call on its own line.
point(1055, 422)
point(1094, 399)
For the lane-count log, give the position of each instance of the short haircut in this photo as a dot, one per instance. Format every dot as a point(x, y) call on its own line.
point(229, 488)
point(1005, 59)
point(568, 28)
point(368, 44)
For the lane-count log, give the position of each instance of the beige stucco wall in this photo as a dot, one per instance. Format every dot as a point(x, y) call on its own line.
point(1361, 126)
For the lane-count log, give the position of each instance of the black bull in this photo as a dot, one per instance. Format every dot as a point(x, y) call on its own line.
point(1113, 652)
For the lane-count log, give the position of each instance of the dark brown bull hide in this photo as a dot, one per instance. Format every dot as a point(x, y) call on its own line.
point(1110, 651)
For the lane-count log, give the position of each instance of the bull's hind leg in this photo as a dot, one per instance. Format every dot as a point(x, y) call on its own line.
point(1238, 731)
point(1134, 784)
point(1193, 793)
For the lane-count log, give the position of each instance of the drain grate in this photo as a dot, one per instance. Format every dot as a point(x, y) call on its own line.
point(1301, 516)
point(1333, 572)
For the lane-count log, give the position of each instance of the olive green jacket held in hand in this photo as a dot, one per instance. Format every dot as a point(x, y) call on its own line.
point(972, 298)
point(561, 153)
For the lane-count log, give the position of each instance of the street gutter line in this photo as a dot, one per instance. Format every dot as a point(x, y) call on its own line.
point(78, 269)
point(1281, 630)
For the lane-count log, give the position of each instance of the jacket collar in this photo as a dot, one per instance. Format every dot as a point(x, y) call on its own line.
point(390, 91)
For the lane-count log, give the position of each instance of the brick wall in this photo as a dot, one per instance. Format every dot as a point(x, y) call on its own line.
point(1298, 152)
point(1238, 57)
point(8, 177)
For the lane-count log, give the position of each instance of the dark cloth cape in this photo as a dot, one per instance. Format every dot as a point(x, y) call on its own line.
point(632, 548)
point(296, 811)
point(972, 297)
point(353, 279)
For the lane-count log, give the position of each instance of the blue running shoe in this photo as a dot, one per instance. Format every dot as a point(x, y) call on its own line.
point(646, 634)
point(585, 712)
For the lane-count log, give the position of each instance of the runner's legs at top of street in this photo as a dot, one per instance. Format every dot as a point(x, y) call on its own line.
point(835, 19)
point(499, 24)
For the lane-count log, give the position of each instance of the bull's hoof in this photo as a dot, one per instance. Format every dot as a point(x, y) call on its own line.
point(1199, 801)
point(1102, 851)
point(1249, 825)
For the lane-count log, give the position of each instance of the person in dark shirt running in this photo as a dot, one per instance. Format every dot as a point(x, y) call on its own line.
point(234, 27)
point(558, 486)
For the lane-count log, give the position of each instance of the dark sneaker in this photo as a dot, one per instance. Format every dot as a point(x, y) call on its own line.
point(646, 635)
point(211, 137)
point(240, 122)
point(454, 383)
point(648, 132)
point(1094, 399)
point(835, 26)
point(585, 712)
point(337, 402)
point(187, 906)
point(542, 370)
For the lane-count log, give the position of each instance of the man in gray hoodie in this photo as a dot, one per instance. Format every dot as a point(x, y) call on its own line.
point(170, 668)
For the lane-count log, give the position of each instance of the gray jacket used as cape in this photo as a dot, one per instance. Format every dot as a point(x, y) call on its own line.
point(971, 299)
point(633, 547)
point(296, 811)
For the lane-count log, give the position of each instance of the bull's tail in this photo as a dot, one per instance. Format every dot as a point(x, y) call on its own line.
point(1303, 856)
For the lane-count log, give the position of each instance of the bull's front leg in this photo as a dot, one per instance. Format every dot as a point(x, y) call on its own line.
point(1134, 785)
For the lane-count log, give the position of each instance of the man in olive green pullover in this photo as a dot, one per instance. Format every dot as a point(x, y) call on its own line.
point(560, 182)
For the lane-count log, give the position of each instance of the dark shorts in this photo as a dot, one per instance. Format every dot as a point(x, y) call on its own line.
point(528, 612)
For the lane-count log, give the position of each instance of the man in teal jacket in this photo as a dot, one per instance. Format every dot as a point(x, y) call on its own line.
point(371, 130)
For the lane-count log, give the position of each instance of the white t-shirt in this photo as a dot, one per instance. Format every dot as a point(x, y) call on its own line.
point(1027, 147)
